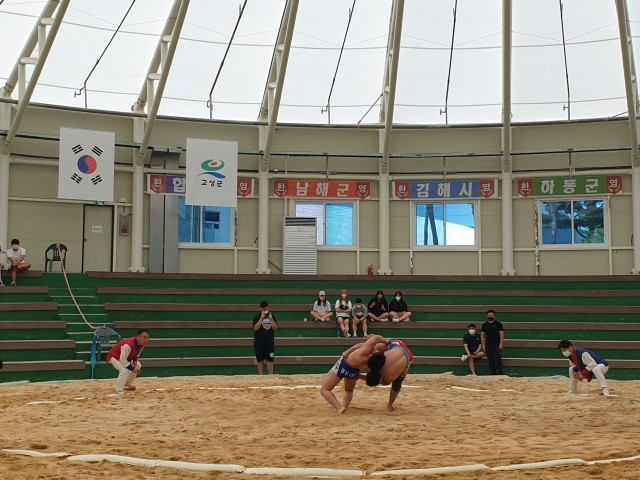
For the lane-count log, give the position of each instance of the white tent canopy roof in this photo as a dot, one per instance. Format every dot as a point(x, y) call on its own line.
point(540, 89)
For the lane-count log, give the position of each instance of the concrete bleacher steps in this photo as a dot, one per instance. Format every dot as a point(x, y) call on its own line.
point(33, 342)
point(201, 324)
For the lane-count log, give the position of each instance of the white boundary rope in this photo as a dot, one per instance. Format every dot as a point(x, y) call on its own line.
point(64, 273)
point(313, 472)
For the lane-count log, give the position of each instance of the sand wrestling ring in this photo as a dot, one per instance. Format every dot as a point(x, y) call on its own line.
point(245, 427)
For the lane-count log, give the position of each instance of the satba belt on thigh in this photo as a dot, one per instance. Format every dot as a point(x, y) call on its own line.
point(400, 344)
point(344, 370)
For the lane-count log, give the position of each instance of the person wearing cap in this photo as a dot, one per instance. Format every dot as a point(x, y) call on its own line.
point(359, 316)
point(264, 327)
point(321, 308)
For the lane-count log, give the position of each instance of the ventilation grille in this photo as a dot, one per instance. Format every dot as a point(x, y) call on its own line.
point(300, 247)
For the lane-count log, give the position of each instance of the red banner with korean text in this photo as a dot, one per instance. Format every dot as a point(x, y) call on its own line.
point(285, 188)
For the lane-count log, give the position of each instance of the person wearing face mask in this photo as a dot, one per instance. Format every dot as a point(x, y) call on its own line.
point(264, 326)
point(16, 255)
point(378, 308)
point(343, 312)
point(321, 308)
point(493, 342)
point(398, 309)
point(584, 365)
point(472, 343)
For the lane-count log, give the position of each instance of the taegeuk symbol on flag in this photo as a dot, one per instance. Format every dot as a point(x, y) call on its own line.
point(86, 164)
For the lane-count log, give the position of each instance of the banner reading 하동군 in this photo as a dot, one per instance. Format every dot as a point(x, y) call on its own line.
point(212, 173)
point(85, 170)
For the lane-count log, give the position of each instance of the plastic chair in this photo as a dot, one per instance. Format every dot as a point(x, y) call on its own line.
point(102, 339)
point(58, 254)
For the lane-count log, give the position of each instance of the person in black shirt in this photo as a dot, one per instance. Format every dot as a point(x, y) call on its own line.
point(493, 342)
point(398, 309)
point(264, 326)
point(472, 343)
point(378, 308)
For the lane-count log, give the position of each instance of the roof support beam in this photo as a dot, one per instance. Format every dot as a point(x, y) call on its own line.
point(38, 62)
point(263, 115)
point(154, 65)
point(29, 46)
point(273, 96)
point(507, 175)
point(631, 86)
point(151, 96)
point(386, 116)
point(44, 40)
point(275, 88)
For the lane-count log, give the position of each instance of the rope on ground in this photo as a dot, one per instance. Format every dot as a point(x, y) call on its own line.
point(313, 472)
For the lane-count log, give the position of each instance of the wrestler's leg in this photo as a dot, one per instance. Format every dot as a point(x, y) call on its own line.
point(330, 381)
point(349, 385)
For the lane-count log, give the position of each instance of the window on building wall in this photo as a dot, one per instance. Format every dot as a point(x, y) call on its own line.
point(334, 221)
point(445, 223)
point(572, 222)
point(204, 224)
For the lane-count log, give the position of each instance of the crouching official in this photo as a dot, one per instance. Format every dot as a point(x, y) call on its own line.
point(124, 358)
point(583, 365)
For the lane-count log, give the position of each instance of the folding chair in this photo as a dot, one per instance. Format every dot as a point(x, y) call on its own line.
point(102, 338)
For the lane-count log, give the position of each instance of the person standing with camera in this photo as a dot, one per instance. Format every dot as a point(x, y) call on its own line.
point(264, 327)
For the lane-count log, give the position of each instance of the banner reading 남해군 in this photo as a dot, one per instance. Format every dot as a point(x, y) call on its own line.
point(85, 170)
point(212, 173)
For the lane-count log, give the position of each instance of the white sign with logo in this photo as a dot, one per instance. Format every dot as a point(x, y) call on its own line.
point(212, 173)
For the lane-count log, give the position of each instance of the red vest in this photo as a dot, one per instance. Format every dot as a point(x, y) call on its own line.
point(116, 350)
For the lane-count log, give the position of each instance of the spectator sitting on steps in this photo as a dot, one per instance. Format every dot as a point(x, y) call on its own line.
point(15, 256)
point(321, 308)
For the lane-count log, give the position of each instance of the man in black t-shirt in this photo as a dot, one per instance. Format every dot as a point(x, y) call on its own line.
point(264, 326)
point(493, 342)
point(472, 343)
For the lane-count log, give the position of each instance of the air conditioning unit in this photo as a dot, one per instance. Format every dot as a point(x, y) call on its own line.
point(300, 252)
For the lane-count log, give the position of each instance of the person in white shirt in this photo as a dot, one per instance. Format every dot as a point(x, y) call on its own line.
point(321, 309)
point(343, 312)
point(16, 255)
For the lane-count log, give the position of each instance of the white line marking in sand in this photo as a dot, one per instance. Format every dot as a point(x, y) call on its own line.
point(467, 389)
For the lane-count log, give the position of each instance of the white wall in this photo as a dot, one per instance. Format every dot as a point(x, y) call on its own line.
point(38, 218)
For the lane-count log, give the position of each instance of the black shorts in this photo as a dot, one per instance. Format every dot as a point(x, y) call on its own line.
point(265, 350)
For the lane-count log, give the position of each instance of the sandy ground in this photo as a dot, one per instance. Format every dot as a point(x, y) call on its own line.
point(226, 420)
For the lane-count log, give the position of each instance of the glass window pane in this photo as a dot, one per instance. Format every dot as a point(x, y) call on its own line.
point(460, 224)
point(556, 223)
point(339, 229)
point(430, 224)
point(588, 221)
point(188, 223)
point(313, 210)
point(216, 224)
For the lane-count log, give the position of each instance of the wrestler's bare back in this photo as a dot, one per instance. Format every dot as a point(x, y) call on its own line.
point(395, 366)
point(358, 355)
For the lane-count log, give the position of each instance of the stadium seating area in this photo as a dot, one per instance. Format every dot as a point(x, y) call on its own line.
point(201, 324)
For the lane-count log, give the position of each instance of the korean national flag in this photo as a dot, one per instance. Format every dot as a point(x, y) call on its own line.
point(85, 169)
point(212, 173)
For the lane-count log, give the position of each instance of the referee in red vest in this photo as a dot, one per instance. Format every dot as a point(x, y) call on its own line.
point(124, 358)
